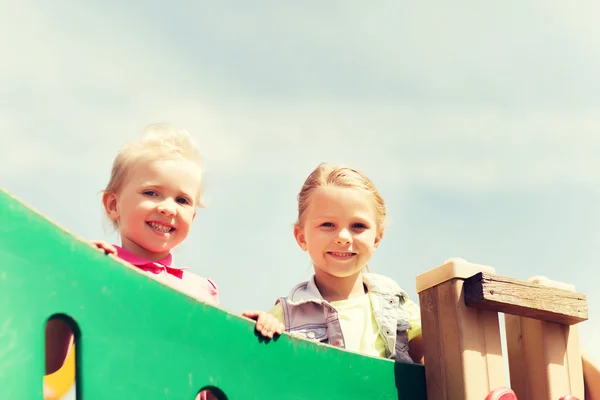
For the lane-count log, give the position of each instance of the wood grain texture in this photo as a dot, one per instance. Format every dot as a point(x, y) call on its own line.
point(544, 359)
point(463, 354)
point(525, 299)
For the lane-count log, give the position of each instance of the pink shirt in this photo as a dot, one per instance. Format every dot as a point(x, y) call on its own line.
point(200, 288)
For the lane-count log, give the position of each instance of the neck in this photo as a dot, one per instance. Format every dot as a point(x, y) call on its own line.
point(334, 288)
point(139, 251)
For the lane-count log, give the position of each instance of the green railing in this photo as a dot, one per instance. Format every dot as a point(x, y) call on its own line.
point(138, 339)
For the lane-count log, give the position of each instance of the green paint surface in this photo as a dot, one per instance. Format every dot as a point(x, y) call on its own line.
point(139, 339)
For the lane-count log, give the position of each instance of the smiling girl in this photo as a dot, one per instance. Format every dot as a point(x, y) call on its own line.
point(151, 199)
point(341, 221)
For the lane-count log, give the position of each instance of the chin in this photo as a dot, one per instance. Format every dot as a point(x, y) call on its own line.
point(344, 274)
point(154, 248)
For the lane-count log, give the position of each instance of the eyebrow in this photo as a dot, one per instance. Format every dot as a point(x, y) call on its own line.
point(354, 219)
point(162, 187)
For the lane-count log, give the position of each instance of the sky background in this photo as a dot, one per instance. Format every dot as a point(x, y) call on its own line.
point(478, 122)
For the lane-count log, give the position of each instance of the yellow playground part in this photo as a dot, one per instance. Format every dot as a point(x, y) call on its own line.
point(61, 381)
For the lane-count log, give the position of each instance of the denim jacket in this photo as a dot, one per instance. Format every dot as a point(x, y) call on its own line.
point(307, 315)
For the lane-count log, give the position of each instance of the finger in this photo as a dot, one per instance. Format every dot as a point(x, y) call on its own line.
point(108, 248)
point(272, 324)
point(276, 326)
point(267, 333)
point(269, 327)
point(251, 314)
point(261, 321)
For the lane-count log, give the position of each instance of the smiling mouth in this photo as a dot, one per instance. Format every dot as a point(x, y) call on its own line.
point(341, 254)
point(160, 228)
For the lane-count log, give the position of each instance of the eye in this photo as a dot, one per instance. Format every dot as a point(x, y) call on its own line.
point(150, 193)
point(359, 225)
point(327, 224)
point(183, 200)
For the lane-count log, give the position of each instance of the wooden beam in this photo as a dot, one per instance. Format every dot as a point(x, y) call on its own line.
point(544, 357)
point(526, 299)
point(463, 353)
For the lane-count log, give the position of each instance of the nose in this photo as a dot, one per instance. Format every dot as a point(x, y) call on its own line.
point(167, 207)
point(344, 237)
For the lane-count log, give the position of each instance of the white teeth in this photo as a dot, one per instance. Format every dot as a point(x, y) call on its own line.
point(160, 227)
point(341, 254)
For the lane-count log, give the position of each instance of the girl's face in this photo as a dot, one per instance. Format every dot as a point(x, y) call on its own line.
point(156, 206)
point(339, 230)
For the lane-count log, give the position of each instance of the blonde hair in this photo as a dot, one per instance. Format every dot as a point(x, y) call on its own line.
point(340, 176)
point(158, 141)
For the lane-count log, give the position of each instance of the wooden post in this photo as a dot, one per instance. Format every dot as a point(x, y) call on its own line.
point(544, 355)
point(591, 379)
point(463, 354)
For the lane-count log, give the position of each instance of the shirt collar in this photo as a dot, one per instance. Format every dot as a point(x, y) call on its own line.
point(153, 266)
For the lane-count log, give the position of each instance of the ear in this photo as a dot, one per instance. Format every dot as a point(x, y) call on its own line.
point(194, 216)
point(378, 238)
point(109, 201)
point(300, 237)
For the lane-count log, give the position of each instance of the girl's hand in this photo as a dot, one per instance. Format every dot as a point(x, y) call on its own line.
point(102, 245)
point(266, 324)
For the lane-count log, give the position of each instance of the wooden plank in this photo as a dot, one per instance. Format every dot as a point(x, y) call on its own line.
point(452, 268)
point(434, 373)
point(492, 350)
point(452, 354)
point(544, 359)
point(519, 370)
point(591, 374)
point(463, 354)
point(483, 367)
point(526, 299)
point(555, 354)
point(573, 362)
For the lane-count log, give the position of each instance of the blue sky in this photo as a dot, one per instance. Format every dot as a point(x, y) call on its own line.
point(479, 123)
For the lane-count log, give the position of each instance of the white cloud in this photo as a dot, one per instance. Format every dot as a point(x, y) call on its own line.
point(94, 85)
point(436, 147)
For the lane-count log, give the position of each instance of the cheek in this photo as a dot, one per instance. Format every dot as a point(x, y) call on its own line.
point(187, 215)
point(367, 239)
point(316, 236)
point(136, 211)
point(138, 207)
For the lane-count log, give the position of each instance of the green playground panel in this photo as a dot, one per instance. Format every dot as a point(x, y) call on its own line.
point(138, 339)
